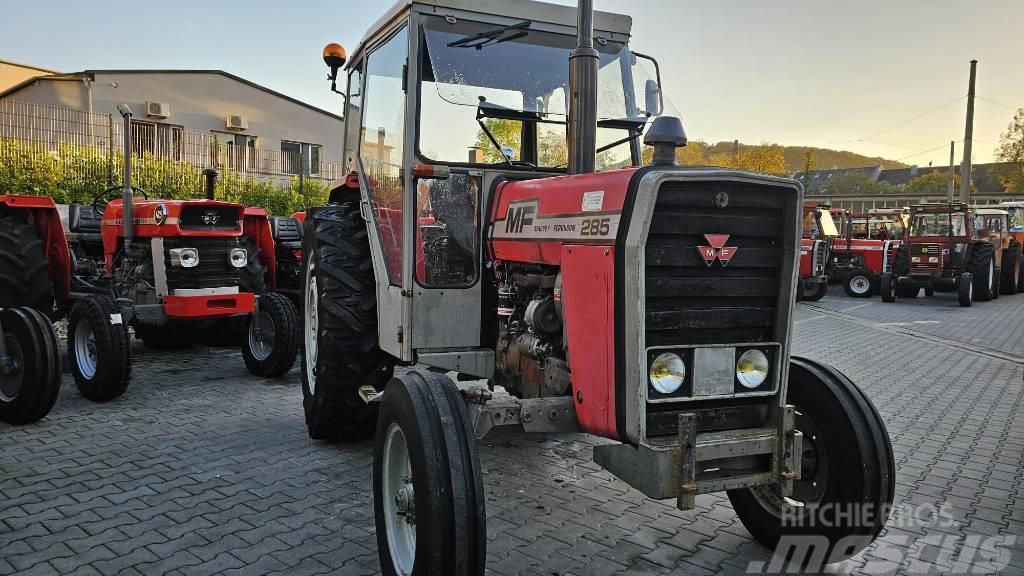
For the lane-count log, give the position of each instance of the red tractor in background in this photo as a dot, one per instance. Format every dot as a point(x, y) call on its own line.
point(864, 250)
point(163, 267)
point(818, 230)
point(648, 305)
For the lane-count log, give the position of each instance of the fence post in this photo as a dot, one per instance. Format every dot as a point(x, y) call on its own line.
point(110, 150)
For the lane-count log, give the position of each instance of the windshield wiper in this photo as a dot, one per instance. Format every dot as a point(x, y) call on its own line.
point(489, 37)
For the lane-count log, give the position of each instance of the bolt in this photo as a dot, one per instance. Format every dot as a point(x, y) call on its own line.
point(527, 417)
point(553, 414)
point(579, 396)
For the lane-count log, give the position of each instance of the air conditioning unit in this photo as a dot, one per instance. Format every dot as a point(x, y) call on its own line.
point(158, 109)
point(235, 122)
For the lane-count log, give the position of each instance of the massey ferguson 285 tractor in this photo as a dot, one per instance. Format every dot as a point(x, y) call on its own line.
point(954, 247)
point(648, 305)
point(161, 266)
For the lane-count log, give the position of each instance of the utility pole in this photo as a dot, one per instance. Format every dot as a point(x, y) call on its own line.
point(950, 188)
point(965, 172)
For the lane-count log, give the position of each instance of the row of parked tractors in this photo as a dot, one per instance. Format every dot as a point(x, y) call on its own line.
point(899, 252)
point(174, 272)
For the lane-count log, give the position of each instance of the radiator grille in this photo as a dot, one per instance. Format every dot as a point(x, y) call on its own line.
point(213, 271)
point(689, 301)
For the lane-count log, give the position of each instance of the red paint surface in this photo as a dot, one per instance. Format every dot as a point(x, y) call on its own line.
point(204, 307)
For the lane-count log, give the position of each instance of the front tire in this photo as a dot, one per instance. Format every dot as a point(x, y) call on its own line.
point(888, 287)
point(270, 351)
point(1011, 269)
point(848, 472)
point(339, 342)
point(29, 392)
point(965, 290)
point(98, 348)
point(428, 495)
point(817, 292)
point(860, 283)
point(982, 268)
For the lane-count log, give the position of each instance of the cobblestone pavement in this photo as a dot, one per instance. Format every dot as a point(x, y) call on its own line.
point(201, 469)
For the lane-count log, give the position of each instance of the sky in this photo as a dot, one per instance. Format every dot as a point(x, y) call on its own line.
point(877, 77)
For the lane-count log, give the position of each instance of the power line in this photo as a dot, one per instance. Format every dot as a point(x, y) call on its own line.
point(994, 102)
point(926, 151)
point(919, 116)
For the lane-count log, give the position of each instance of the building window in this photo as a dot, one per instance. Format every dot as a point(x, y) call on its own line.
point(235, 151)
point(162, 140)
point(296, 154)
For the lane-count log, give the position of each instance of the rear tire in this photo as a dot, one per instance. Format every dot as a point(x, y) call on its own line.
point(24, 276)
point(901, 264)
point(339, 343)
point(1011, 269)
point(982, 268)
point(848, 475)
point(965, 290)
point(888, 287)
point(98, 348)
point(906, 289)
point(252, 278)
point(426, 464)
point(271, 351)
point(860, 283)
point(29, 393)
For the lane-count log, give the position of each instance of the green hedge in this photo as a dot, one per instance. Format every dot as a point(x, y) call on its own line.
point(74, 174)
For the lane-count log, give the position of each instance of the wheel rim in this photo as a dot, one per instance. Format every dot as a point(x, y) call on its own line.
point(810, 488)
point(10, 384)
point(312, 327)
point(85, 350)
point(860, 284)
point(262, 340)
point(399, 501)
point(991, 273)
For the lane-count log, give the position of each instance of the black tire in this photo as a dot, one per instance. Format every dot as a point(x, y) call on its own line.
point(929, 290)
point(345, 356)
point(965, 290)
point(252, 278)
point(1011, 269)
point(166, 337)
point(29, 393)
point(860, 283)
point(271, 351)
point(101, 364)
point(817, 293)
point(996, 291)
point(24, 275)
point(981, 265)
point(426, 411)
point(848, 471)
point(901, 264)
point(906, 289)
point(888, 287)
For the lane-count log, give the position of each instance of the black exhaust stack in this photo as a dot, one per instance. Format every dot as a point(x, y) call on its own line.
point(128, 218)
point(211, 182)
point(583, 65)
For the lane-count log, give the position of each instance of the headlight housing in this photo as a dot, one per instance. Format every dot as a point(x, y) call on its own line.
point(667, 373)
point(238, 257)
point(184, 257)
point(752, 369)
point(160, 213)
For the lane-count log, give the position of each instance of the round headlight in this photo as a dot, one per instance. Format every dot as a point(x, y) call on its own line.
point(160, 214)
point(752, 368)
point(238, 257)
point(667, 373)
point(189, 257)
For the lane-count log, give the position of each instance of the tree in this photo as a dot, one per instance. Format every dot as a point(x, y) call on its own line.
point(766, 159)
point(934, 184)
point(808, 165)
point(1011, 151)
point(855, 184)
point(508, 133)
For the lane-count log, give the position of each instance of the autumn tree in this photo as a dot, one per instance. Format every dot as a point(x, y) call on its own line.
point(1011, 152)
point(854, 184)
point(766, 159)
point(934, 184)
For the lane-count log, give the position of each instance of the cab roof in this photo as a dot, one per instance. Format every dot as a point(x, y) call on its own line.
point(991, 212)
point(520, 9)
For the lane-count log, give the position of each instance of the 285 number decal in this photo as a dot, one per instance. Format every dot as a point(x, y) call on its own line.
point(595, 227)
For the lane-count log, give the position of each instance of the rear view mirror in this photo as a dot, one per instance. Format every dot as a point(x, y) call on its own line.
point(653, 100)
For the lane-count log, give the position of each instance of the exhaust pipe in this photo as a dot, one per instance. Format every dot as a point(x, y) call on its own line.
point(211, 182)
point(128, 218)
point(581, 132)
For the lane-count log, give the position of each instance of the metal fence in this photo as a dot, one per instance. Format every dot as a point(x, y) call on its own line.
point(88, 147)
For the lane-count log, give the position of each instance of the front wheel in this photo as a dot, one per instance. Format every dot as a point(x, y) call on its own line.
point(845, 491)
point(98, 348)
point(888, 287)
point(1011, 269)
point(29, 389)
point(817, 292)
point(982, 267)
point(428, 496)
point(965, 290)
point(860, 283)
point(271, 345)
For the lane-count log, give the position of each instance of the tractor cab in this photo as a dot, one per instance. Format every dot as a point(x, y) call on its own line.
point(938, 236)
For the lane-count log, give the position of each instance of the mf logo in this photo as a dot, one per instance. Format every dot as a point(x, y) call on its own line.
point(519, 216)
point(211, 217)
point(717, 249)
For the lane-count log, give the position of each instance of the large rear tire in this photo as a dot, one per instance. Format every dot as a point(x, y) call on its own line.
point(24, 277)
point(1011, 269)
point(28, 393)
point(252, 278)
point(98, 348)
point(901, 264)
point(982, 266)
point(339, 343)
point(848, 472)
point(428, 495)
point(270, 351)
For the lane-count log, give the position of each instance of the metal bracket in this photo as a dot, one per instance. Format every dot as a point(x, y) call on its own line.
point(687, 461)
point(370, 394)
point(554, 414)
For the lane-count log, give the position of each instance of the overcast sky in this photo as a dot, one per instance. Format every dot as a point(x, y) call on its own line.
point(798, 72)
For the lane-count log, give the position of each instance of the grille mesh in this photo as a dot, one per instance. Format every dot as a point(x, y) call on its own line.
point(213, 271)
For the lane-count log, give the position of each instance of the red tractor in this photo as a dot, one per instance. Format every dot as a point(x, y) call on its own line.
point(863, 251)
point(818, 229)
point(649, 305)
point(952, 247)
point(30, 365)
point(164, 267)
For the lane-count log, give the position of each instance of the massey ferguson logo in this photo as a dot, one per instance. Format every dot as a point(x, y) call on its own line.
point(519, 217)
point(717, 249)
point(211, 217)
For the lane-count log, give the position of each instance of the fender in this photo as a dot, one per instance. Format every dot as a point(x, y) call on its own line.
point(42, 213)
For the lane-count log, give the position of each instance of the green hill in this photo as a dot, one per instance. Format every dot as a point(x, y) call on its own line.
point(823, 158)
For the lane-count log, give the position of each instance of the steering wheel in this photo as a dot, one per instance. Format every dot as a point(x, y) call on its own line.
point(101, 200)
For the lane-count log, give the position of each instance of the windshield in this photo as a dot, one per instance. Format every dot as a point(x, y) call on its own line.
point(510, 71)
point(937, 224)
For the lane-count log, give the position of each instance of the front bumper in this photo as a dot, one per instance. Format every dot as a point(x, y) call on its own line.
point(209, 306)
